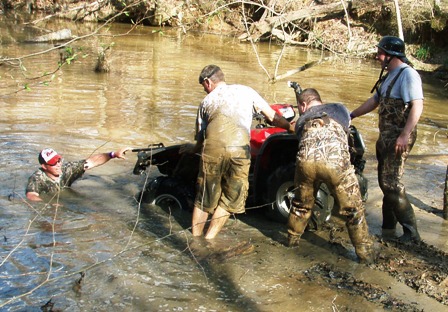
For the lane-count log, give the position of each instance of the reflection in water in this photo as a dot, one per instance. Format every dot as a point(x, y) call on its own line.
point(150, 96)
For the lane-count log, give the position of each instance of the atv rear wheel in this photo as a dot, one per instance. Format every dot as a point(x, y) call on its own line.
point(280, 194)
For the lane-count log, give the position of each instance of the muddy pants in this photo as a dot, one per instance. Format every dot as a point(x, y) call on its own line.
point(323, 157)
point(223, 179)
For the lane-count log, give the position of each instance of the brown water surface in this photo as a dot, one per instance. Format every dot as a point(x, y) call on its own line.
point(137, 258)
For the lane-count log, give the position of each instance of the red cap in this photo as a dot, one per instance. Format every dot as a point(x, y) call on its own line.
point(49, 156)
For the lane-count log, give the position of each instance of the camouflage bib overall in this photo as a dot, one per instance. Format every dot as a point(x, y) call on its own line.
point(324, 157)
point(393, 114)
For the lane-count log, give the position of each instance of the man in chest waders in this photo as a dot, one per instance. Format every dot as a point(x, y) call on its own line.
point(324, 157)
point(399, 98)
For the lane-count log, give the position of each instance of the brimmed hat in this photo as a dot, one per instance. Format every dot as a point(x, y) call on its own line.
point(49, 156)
point(392, 45)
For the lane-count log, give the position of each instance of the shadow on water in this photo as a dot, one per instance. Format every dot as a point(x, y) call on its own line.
point(174, 227)
point(421, 205)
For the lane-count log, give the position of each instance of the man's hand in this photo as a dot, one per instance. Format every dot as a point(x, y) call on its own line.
point(121, 152)
point(33, 196)
point(401, 144)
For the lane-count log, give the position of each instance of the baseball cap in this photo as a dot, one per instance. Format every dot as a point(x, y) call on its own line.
point(49, 156)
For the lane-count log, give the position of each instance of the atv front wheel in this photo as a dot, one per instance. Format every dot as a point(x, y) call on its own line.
point(168, 192)
point(280, 194)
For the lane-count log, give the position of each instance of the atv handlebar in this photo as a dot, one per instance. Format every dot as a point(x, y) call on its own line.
point(295, 86)
point(149, 148)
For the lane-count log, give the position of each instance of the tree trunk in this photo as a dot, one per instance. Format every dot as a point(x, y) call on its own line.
point(445, 197)
point(400, 27)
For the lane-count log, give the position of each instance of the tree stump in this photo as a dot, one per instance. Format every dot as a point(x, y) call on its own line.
point(445, 197)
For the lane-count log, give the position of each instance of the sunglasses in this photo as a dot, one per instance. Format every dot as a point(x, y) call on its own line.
point(201, 80)
point(58, 162)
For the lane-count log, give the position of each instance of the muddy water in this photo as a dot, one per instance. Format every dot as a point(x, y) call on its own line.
point(141, 258)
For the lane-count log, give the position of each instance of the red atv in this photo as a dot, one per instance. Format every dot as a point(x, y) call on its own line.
point(271, 175)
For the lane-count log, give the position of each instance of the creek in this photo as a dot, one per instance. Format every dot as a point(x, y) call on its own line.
point(137, 257)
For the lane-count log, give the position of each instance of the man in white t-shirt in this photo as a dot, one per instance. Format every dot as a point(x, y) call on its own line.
point(223, 137)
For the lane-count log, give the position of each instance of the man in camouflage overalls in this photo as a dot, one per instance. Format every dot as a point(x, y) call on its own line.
point(399, 98)
point(324, 157)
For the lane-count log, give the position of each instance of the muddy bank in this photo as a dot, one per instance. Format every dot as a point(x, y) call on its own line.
point(321, 273)
point(346, 29)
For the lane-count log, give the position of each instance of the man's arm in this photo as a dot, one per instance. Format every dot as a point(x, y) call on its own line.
point(100, 159)
point(276, 119)
point(191, 148)
point(33, 196)
point(365, 108)
point(200, 126)
point(411, 122)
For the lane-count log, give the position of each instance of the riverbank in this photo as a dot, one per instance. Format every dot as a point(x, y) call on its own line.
point(141, 257)
point(346, 29)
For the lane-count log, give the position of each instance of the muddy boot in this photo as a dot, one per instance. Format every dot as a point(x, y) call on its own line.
point(406, 217)
point(410, 233)
point(390, 201)
point(297, 221)
point(293, 240)
point(361, 240)
point(388, 234)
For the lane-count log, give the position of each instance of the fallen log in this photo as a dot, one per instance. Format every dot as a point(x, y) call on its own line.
point(60, 35)
point(269, 24)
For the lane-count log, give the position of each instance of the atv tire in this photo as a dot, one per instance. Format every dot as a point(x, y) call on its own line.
point(280, 194)
point(169, 192)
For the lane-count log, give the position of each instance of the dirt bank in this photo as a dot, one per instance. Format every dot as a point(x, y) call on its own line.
point(347, 29)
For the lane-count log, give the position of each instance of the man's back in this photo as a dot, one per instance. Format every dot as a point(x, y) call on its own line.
point(225, 115)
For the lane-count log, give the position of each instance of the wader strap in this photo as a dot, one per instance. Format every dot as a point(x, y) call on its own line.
point(392, 83)
point(379, 82)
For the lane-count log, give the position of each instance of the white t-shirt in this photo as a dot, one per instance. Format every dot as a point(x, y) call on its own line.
point(235, 102)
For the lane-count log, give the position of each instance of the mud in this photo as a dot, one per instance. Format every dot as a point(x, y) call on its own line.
point(420, 266)
point(405, 276)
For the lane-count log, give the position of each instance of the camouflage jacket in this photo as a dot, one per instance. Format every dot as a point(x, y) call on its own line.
point(40, 183)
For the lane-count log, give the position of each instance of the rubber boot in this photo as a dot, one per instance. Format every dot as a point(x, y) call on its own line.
point(390, 200)
point(358, 232)
point(406, 217)
point(297, 221)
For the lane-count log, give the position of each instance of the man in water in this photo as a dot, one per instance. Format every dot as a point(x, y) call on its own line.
point(324, 157)
point(399, 98)
point(54, 174)
point(223, 137)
